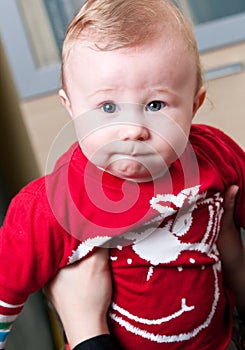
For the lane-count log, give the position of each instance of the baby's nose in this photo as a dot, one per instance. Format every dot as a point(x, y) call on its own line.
point(134, 132)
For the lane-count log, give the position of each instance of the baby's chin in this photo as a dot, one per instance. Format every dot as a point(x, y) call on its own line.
point(129, 169)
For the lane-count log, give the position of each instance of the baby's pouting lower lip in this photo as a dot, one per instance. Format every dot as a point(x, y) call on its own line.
point(133, 148)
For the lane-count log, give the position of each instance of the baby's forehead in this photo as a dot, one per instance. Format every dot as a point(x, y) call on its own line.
point(110, 66)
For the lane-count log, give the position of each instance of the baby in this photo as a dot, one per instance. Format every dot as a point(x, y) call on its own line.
point(142, 181)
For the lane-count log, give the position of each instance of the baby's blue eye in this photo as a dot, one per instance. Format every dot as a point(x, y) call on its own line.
point(109, 107)
point(155, 106)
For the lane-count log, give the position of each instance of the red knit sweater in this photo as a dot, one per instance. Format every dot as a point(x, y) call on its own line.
point(168, 290)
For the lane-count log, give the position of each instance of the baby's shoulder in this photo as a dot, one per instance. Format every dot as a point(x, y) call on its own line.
point(213, 141)
point(202, 134)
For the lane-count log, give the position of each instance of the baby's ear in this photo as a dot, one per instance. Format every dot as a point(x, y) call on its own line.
point(198, 100)
point(65, 101)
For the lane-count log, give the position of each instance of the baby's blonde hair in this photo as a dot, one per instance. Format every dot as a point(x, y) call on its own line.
point(114, 24)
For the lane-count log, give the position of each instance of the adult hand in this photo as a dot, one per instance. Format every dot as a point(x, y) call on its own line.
point(232, 250)
point(81, 294)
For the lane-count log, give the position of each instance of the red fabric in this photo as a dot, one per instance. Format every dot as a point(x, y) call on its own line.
point(168, 286)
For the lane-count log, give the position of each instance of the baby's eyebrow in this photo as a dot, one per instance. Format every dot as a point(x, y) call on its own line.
point(163, 91)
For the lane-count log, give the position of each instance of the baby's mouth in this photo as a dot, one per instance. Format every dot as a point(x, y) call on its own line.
point(130, 148)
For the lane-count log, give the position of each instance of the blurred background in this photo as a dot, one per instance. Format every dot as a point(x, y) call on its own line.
point(31, 35)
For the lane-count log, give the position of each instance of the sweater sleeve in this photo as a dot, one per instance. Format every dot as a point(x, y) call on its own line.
point(26, 240)
point(100, 342)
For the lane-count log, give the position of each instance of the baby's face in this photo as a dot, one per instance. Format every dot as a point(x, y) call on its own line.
point(133, 107)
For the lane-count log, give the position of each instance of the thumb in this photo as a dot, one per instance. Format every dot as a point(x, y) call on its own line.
point(230, 198)
point(229, 205)
point(229, 235)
